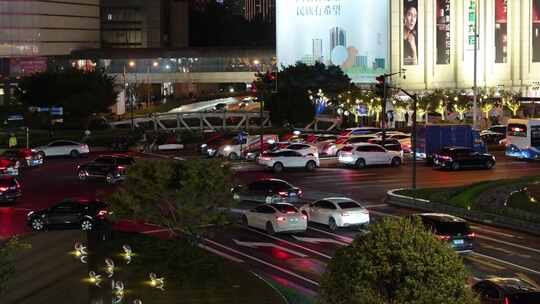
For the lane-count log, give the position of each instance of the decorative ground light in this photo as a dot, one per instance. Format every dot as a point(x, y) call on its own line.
point(117, 287)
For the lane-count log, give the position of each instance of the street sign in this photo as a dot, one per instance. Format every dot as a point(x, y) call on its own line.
point(43, 109)
point(57, 111)
point(271, 245)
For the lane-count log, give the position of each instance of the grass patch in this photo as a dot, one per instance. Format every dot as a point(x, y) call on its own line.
point(523, 201)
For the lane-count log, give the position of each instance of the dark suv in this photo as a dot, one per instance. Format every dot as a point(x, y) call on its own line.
point(267, 191)
point(506, 291)
point(10, 189)
point(449, 229)
point(85, 215)
point(110, 167)
point(456, 158)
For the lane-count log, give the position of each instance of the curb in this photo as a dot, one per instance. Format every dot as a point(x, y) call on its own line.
point(473, 215)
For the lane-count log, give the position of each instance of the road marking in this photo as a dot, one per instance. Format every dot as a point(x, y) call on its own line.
point(494, 232)
point(508, 243)
point(505, 262)
point(264, 263)
point(221, 254)
point(271, 245)
point(487, 264)
point(290, 243)
point(319, 240)
point(346, 239)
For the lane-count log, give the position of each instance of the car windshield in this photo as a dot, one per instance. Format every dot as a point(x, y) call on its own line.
point(285, 208)
point(452, 228)
point(349, 205)
point(525, 298)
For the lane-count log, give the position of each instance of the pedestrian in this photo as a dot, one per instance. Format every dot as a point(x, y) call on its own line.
point(12, 143)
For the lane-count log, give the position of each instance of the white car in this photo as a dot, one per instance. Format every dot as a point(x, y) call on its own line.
point(237, 149)
point(336, 212)
point(363, 155)
point(275, 218)
point(281, 159)
point(304, 149)
point(404, 139)
point(63, 148)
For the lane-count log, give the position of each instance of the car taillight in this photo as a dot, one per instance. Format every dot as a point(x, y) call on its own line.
point(506, 301)
point(472, 235)
point(283, 193)
point(102, 213)
point(120, 167)
point(448, 158)
point(304, 216)
point(443, 237)
point(2, 189)
point(28, 157)
point(264, 158)
point(281, 219)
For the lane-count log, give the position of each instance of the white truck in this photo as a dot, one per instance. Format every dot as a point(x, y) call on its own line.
point(237, 148)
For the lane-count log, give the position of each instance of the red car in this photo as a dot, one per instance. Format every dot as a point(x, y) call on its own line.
point(10, 189)
point(9, 167)
point(25, 157)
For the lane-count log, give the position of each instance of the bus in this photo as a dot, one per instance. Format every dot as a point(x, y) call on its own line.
point(523, 138)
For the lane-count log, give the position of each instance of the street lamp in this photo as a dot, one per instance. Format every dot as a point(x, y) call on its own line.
point(131, 64)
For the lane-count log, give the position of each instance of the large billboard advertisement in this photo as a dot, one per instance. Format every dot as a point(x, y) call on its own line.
point(536, 30)
point(443, 31)
point(501, 31)
point(410, 32)
point(351, 34)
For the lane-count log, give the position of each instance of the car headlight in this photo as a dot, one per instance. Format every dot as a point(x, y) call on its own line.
point(204, 146)
point(227, 148)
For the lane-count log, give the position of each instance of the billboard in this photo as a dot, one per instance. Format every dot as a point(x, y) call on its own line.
point(351, 34)
point(443, 31)
point(410, 32)
point(501, 31)
point(536, 30)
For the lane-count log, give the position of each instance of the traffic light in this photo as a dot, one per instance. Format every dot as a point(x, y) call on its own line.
point(379, 87)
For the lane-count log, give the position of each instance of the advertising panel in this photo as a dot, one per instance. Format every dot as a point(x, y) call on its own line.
point(501, 31)
point(24, 66)
point(351, 34)
point(536, 30)
point(443, 31)
point(410, 32)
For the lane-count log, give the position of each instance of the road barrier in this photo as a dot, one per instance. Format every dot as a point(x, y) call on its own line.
point(492, 219)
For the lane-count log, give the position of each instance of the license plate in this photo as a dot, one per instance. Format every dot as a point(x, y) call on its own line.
point(293, 220)
point(458, 242)
point(292, 194)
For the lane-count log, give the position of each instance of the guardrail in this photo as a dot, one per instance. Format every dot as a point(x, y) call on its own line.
point(198, 121)
point(474, 215)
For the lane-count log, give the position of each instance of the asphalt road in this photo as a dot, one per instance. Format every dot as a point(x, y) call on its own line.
point(299, 260)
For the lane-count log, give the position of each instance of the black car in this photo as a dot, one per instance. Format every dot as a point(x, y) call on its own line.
point(506, 291)
point(110, 167)
point(456, 158)
point(25, 157)
point(390, 144)
point(268, 191)
point(10, 189)
point(85, 215)
point(450, 229)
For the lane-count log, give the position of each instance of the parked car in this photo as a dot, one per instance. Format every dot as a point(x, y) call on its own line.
point(363, 155)
point(359, 131)
point(456, 158)
point(25, 157)
point(85, 215)
point(506, 291)
point(492, 138)
point(10, 189)
point(110, 167)
point(9, 167)
point(210, 146)
point(335, 148)
point(404, 139)
point(336, 212)
point(63, 148)
point(324, 140)
point(500, 129)
point(238, 148)
point(275, 218)
point(267, 191)
point(281, 159)
point(304, 149)
point(449, 229)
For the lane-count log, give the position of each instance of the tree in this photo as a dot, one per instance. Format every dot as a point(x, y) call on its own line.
point(399, 261)
point(8, 251)
point(182, 196)
point(79, 93)
point(510, 100)
point(460, 104)
point(291, 102)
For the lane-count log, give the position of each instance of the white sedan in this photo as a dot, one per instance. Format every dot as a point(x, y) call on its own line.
point(275, 218)
point(304, 149)
point(281, 159)
point(363, 155)
point(63, 148)
point(336, 212)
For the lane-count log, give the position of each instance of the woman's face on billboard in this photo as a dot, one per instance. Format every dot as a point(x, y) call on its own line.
point(410, 18)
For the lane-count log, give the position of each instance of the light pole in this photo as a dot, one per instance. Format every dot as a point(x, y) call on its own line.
point(131, 64)
point(475, 88)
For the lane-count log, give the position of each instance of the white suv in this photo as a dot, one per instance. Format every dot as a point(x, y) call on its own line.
point(304, 149)
point(363, 155)
point(281, 159)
